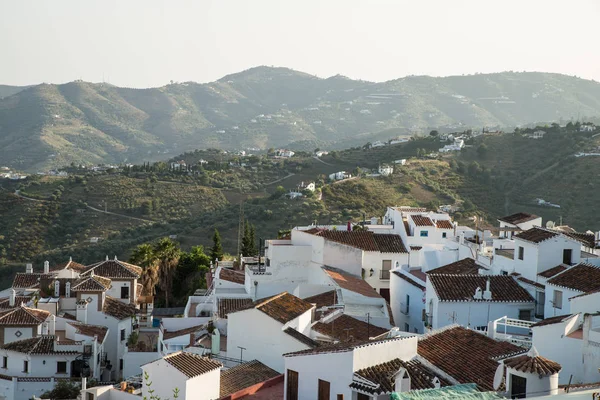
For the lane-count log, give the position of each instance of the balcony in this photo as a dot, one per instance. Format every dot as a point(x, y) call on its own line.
point(384, 275)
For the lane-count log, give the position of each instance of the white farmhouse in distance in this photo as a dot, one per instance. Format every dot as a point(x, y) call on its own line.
point(386, 170)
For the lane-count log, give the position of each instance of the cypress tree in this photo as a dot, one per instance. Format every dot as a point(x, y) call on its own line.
point(216, 251)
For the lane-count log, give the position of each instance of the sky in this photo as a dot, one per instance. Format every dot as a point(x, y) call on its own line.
point(147, 43)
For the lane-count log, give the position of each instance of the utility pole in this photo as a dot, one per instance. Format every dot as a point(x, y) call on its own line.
point(240, 230)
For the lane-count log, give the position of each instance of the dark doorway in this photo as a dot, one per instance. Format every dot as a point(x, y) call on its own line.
point(518, 387)
point(385, 293)
point(292, 385)
point(567, 256)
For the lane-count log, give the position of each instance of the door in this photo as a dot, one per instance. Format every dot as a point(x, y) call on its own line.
point(292, 385)
point(385, 293)
point(567, 256)
point(324, 388)
point(518, 387)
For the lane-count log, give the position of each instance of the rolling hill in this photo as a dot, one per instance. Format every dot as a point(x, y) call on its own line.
point(53, 125)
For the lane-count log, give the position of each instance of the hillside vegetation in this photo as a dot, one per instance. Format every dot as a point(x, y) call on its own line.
point(53, 125)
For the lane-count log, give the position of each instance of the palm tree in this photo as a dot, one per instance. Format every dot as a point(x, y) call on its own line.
point(144, 256)
point(167, 254)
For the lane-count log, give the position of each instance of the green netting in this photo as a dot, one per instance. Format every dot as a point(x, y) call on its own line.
point(465, 391)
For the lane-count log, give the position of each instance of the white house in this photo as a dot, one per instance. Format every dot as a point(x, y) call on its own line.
point(531, 375)
point(307, 186)
point(474, 300)
point(578, 280)
point(269, 328)
point(385, 170)
point(178, 165)
point(407, 300)
point(401, 161)
point(321, 153)
point(515, 223)
point(337, 176)
point(190, 375)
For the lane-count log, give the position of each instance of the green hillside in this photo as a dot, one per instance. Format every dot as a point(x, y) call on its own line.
point(53, 125)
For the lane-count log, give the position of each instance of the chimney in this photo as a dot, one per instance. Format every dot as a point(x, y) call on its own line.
point(402, 381)
point(462, 238)
point(477, 295)
point(82, 311)
point(53, 324)
point(46, 267)
point(11, 300)
point(83, 383)
point(487, 295)
point(45, 328)
point(107, 258)
point(116, 258)
point(29, 268)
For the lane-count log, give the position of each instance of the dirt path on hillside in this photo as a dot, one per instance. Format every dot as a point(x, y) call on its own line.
point(279, 180)
point(321, 161)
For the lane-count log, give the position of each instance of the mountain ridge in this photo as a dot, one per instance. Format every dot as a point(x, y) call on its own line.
point(46, 125)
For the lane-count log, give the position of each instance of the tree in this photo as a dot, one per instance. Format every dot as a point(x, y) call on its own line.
point(63, 390)
point(434, 133)
point(216, 251)
point(482, 150)
point(144, 256)
point(191, 271)
point(246, 243)
point(252, 240)
point(167, 253)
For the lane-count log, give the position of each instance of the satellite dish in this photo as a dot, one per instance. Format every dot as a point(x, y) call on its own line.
point(498, 376)
point(550, 224)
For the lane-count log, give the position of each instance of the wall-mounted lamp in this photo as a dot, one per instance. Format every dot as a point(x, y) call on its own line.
point(371, 272)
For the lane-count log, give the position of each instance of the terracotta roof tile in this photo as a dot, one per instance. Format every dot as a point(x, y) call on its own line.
point(351, 283)
point(233, 276)
point(549, 273)
point(536, 235)
point(462, 288)
point(341, 347)
point(114, 269)
point(587, 239)
point(5, 302)
point(444, 224)
point(27, 281)
point(348, 329)
point(366, 240)
point(382, 375)
point(421, 220)
point(180, 332)
point(23, 316)
point(227, 305)
point(282, 307)
point(465, 266)
point(75, 266)
point(409, 279)
point(245, 375)
point(302, 338)
point(553, 320)
point(90, 330)
point(92, 284)
point(465, 355)
point(518, 218)
point(324, 299)
point(388, 243)
point(192, 365)
point(118, 309)
point(582, 277)
point(533, 363)
point(37, 345)
point(530, 282)
point(409, 209)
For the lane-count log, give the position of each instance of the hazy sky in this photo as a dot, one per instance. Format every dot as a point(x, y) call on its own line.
point(143, 43)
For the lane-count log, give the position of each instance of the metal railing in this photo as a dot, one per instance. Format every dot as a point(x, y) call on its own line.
point(384, 274)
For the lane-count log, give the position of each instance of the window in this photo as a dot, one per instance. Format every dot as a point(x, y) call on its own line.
point(416, 330)
point(125, 292)
point(386, 267)
point(444, 235)
point(525, 315)
point(120, 364)
point(4, 362)
point(324, 388)
point(407, 304)
point(340, 397)
point(424, 233)
point(25, 366)
point(504, 272)
point(61, 367)
point(521, 252)
point(518, 387)
point(292, 385)
point(557, 299)
point(122, 334)
point(567, 256)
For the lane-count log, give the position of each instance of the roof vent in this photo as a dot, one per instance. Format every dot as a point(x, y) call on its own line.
point(487, 294)
point(477, 295)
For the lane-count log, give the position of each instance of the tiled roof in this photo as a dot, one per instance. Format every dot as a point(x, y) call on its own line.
point(533, 363)
point(553, 320)
point(444, 224)
point(282, 307)
point(24, 280)
point(324, 299)
point(462, 288)
point(351, 283)
point(232, 276)
point(192, 365)
point(347, 329)
point(549, 273)
point(518, 218)
point(420, 220)
point(536, 235)
point(5, 302)
point(227, 305)
point(408, 279)
point(37, 345)
point(90, 330)
point(302, 338)
point(23, 316)
point(185, 331)
point(341, 347)
point(410, 209)
point(587, 239)
point(118, 309)
point(92, 284)
point(366, 240)
point(382, 375)
point(465, 355)
point(75, 266)
point(583, 277)
point(530, 282)
point(461, 267)
point(115, 269)
point(245, 375)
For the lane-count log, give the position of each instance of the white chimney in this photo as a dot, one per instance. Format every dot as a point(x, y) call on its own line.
point(29, 268)
point(68, 289)
point(477, 295)
point(45, 328)
point(46, 267)
point(107, 258)
point(53, 324)
point(13, 296)
point(82, 311)
point(402, 381)
point(436, 382)
point(56, 288)
point(116, 258)
point(461, 240)
point(487, 294)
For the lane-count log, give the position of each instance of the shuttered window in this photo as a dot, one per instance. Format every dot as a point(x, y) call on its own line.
point(292, 385)
point(324, 388)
